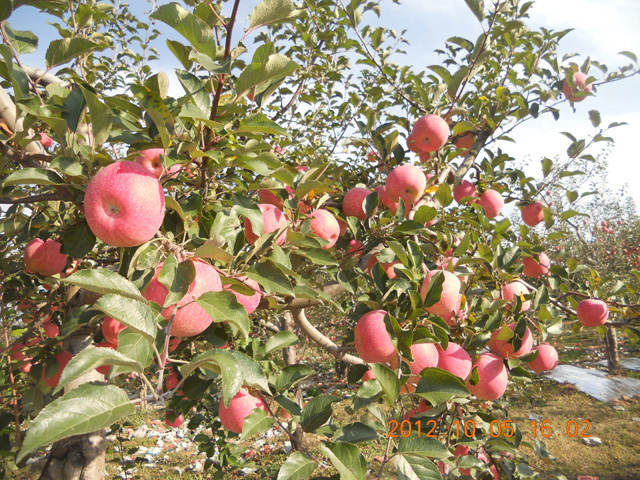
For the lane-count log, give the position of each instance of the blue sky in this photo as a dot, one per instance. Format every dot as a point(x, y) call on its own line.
point(602, 28)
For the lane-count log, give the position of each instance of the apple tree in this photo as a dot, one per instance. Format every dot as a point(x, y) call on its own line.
point(183, 241)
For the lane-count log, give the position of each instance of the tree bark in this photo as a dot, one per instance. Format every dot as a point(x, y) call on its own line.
point(612, 351)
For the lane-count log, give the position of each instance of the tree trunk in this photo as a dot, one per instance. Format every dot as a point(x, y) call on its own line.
point(289, 357)
point(612, 352)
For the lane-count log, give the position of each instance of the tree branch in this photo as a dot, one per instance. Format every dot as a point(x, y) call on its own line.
point(44, 197)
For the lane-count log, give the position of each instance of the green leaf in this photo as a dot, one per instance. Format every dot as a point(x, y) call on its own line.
point(594, 116)
point(347, 459)
point(291, 375)
point(92, 358)
point(257, 422)
point(101, 280)
point(33, 176)
point(438, 386)
point(444, 195)
point(477, 7)
point(422, 446)
point(547, 166)
point(270, 277)
point(260, 123)
point(198, 33)
point(297, 467)
point(271, 12)
point(317, 412)
point(22, 41)
point(78, 239)
point(434, 290)
point(84, 409)
point(416, 468)
point(66, 49)
point(5, 10)
point(134, 346)
point(355, 433)
point(177, 278)
point(320, 256)
point(369, 392)
point(388, 380)
point(572, 196)
point(236, 368)
point(281, 340)
point(210, 249)
point(197, 93)
point(277, 66)
point(101, 117)
point(132, 313)
point(224, 307)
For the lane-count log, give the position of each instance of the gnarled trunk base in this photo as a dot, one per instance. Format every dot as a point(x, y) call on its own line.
point(80, 457)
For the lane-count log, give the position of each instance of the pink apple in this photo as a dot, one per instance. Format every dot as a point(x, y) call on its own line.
point(267, 196)
point(111, 328)
point(344, 226)
point(430, 133)
point(325, 225)
point(388, 267)
point(273, 219)
point(124, 204)
point(105, 369)
point(372, 340)
point(579, 81)
point(240, 407)
point(16, 351)
point(150, 159)
point(44, 257)
point(249, 302)
point(425, 355)
point(465, 143)
point(454, 360)
point(462, 451)
point(191, 319)
point(512, 289)
point(533, 213)
point(385, 200)
point(464, 189)
point(492, 202)
point(592, 312)
point(546, 360)
point(51, 330)
point(368, 375)
point(536, 267)
point(411, 144)
point(449, 298)
point(45, 140)
point(492, 377)
point(352, 203)
point(176, 422)
point(407, 182)
point(63, 359)
point(505, 348)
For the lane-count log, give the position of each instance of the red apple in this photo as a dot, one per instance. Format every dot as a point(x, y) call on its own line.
point(111, 328)
point(325, 225)
point(176, 422)
point(411, 144)
point(430, 133)
point(407, 182)
point(579, 85)
point(45, 140)
point(240, 407)
point(44, 257)
point(505, 348)
point(191, 319)
point(547, 359)
point(388, 267)
point(273, 219)
point(368, 375)
point(385, 200)
point(63, 359)
point(533, 213)
point(425, 355)
point(51, 330)
point(124, 204)
point(492, 377)
point(105, 369)
point(249, 302)
point(150, 159)
point(512, 289)
point(536, 267)
point(592, 312)
point(372, 340)
point(352, 203)
point(267, 196)
point(454, 360)
point(449, 298)
point(492, 202)
point(465, 143)
point(464, 189)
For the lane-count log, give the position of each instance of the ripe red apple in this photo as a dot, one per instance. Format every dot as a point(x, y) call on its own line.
point(63, 359)
point(449, 298)
point(51, 330)
point(44, 257)
point(505, 348)
point(150, 159)
point(536, 268)
point(368, 375)
point(172, 381)
point(111, 328)
point(267, 196)
point(425, 355)
point(407, 182)
point(45, 140)
point(325, 225)
point(492, 377)
point(464, 189)
point(512, 289)
point(385, 200)
point(592, 312)
point(388, 267)
point(124, 204)
point(273, 219)
point(176, 422)
point(533, 213)
point(249, 302)
point(191, 319)
point(465, 143)
point(372, 340)
point(454, 360)
point(240, 407)
point(430, 133)
point(462, 451)
point(105, 369)
point(492, 202)
point(411, 144)
point(579, 81)
point(16, 351)
point(547, 359)
point(352, 203)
